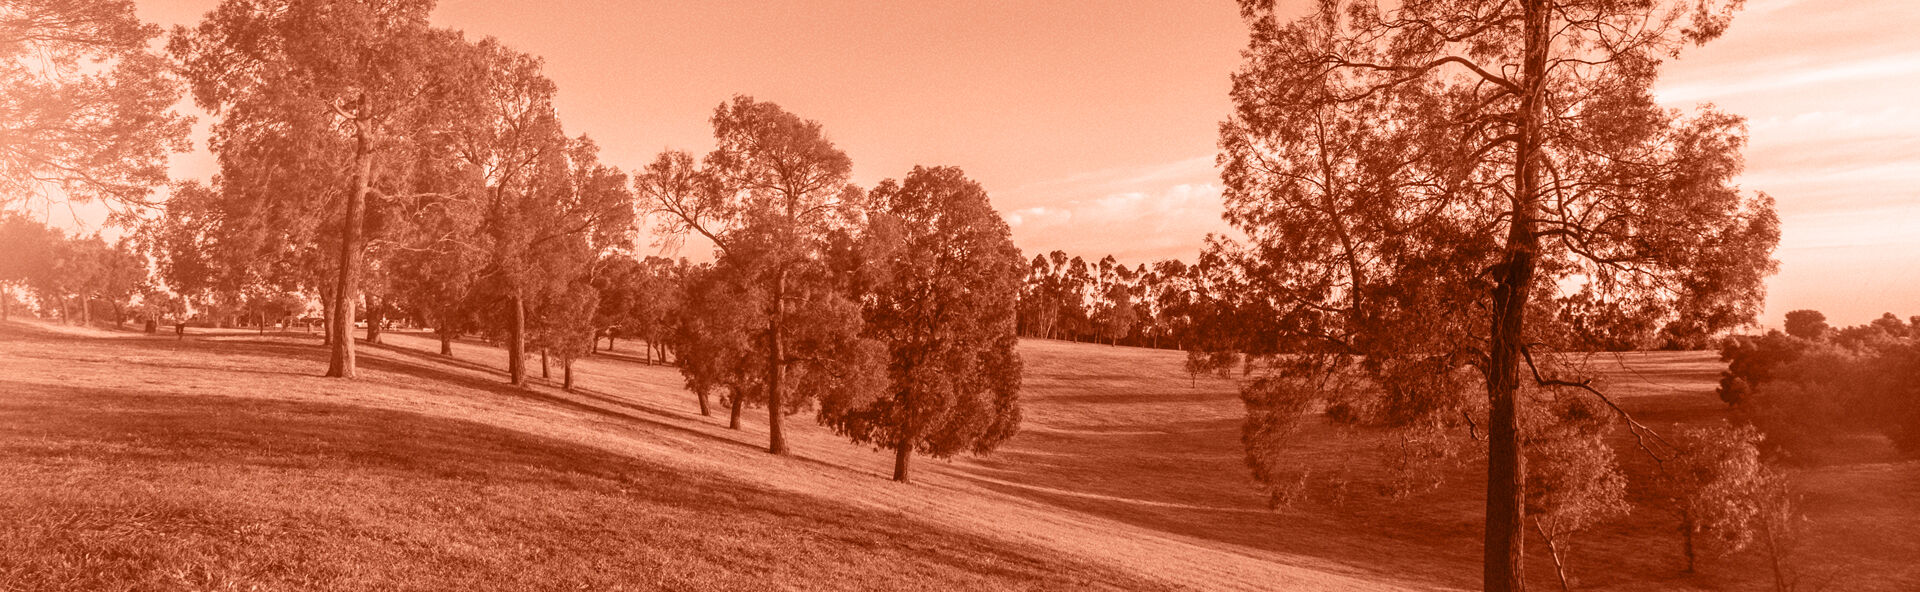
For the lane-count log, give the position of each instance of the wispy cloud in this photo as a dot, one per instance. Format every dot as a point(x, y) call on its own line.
point(1829, 90)
point(1135, 214)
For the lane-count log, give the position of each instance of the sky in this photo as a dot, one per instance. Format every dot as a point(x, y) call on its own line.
point(1093, 124)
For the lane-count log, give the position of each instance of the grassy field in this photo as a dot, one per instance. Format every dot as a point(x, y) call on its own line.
point(225, 462)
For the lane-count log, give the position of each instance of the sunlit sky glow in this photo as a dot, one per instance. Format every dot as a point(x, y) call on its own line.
point(1093, 123)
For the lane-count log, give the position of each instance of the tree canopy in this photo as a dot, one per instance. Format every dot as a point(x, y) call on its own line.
point(88, 104)
point(942, 277)
point(1424, 186)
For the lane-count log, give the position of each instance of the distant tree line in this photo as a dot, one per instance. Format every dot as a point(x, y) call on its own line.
point(1162, 305)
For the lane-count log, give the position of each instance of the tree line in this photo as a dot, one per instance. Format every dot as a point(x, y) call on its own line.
point(395, 171)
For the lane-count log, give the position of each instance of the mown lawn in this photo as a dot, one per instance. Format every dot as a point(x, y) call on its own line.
point(225, 462)
point(184, 487)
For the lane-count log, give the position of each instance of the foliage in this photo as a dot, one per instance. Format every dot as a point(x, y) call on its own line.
point(1810, 325)
point(319, 96)
point(1574, 482)
point(943, 275)
point(1714, 483)
point(771, 197)
point(715, 336)
point(88, 104)
point(1751, 361)
point(1431, 185)
point(1804, 394)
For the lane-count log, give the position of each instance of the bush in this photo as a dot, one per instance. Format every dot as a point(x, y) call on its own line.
point(1804, 393)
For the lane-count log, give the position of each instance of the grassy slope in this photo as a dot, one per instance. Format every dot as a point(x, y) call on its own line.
point(137, 462)
point(431, 474)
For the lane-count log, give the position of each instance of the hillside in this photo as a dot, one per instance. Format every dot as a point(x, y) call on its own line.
point(225, 462)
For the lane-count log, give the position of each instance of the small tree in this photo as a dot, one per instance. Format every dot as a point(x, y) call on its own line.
point(1711, 484)
point(771, 194)
point(565, 327)
point(945, 276)
point(715, 339)
point(1574, 481)
point(1807, 324)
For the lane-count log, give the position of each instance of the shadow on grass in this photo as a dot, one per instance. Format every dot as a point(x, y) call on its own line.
point(422, 366)
point(411, 363)
point(240, 430)
point(130, 490)
point(425, 370)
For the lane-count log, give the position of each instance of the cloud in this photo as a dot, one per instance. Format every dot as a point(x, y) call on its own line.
point(1135, 214)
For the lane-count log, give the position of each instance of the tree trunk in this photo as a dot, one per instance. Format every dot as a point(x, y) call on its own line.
point(86, 310)
point(66, 311)
point(446, 342)
point(340, 363)
point(376, 316)
point(119, 316)
point(1559, 565)
point(566, 373)
point(733, 419)
point(1502, 567)
point(517, 341)
point(543, 365)
point(776, 441)
point(704, 411)
point(1686, 541)
point(326, 320)
point(902, 458)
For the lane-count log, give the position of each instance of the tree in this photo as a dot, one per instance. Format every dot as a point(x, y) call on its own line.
point(352, 72)
point(659, 305)
point(1754, 360)
point(70, 267)
point(565, 325)
point(619, 285)
point(1711, 483)
point(715, 339)
point(122, 275)
point(768, 197)
point(945, 277)
point(1891, 325)
point(507, 131)
point(1807, 324)
point(1417, 182)
point(1116, 314)
point(89, 106)
point(1575, 481)
point(29, 247)
point(437, 274)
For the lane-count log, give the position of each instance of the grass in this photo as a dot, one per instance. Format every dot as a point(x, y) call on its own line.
point(224, 462)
